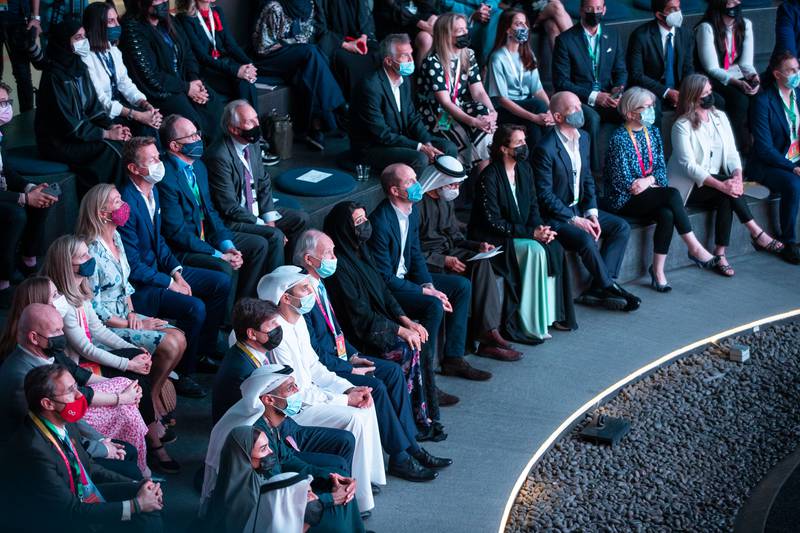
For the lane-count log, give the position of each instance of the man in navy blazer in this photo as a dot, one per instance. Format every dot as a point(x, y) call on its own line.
point(397, 253)
point(787, 27)
point(194, 297)
point(589, 61)
point(771, 163)
point(569, 205)
point(191, 224)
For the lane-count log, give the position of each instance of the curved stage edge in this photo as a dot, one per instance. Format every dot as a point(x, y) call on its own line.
point(613, 389)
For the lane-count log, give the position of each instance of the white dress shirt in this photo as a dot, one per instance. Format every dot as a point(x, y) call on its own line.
point(402, 220)
point(395, 85)
point(149, 201)
point(101, 79)
point(573, 147)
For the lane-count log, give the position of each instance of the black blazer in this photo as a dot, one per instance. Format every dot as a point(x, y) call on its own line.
point(37, 475)
point(770, 133)
point(231, 54)
point(646, 57)
point(376, 121)
point(553, 170)
point(235, 368)
point(572, 66)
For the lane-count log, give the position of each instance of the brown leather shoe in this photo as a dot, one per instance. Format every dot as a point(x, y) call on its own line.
point(501, 354)
point(495, 338)
point(446, 400)
point(458, 367)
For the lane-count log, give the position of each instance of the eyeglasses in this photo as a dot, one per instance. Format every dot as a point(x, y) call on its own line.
point(196, 135)
point(5, 103)
point(72, 390)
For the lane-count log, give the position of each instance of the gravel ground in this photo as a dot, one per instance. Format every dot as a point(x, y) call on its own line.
point(704, 431)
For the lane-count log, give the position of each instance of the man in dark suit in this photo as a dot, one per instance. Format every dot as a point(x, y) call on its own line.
point(398, 257)
point(407, 460)
point(190, 223)
point(258, 333)
point(241, 189)
point(385, 126)
point(787, 27)
point(57, 485)
point(195, 297)
point(661, 53)
point(569, 205)
point(589, 61)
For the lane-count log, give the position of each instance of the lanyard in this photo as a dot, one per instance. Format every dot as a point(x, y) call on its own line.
point(210, 31)
point(249, 354)
point(84, 322)
point(791, 112)
point(453, 85)
point(47, 434)
point(730, 55)
point(517, 74)
point(327, 313)
point(111, 70)
point(594, 53)
point(649, 170)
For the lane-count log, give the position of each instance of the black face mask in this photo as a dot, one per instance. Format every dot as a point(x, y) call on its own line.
point(266, 464)
point(55, 345)
point(462, 41)
point(734, 12)
point(707, 101)
point(313, 515)
point(161, 11)
point(363, 231)
point(252, 135)
point(592, 19)
point(274, 339)
point(521, 153)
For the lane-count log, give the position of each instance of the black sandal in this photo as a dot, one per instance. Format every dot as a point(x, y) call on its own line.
point(774, 246)
point(724, 270)
point(165, 467)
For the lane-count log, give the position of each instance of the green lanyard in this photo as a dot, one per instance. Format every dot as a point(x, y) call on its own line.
point(192, 179)
point(594, 53)
point(791, 111)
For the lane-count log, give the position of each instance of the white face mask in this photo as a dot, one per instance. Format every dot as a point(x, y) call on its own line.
point(155, 172)
point(674, 19)
point(448, 194)
point(81, 47)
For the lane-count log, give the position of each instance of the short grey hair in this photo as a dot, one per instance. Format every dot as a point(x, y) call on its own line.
point(633, 99)
point(306, 244)
point(390, 41)
point(230, 114)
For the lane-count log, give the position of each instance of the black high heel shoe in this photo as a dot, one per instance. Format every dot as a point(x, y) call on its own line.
point(705, 265)
point(655, 285)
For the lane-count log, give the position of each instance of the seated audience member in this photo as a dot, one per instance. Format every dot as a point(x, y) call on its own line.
point(568, 205)
point(224, 66)
point(283, 32)
point(102, 211)
point(482, 17)
point(71, 490)
point(38, 333)
point(385, 378)
point(163, 66)
point(552, 16)
point(787, 27)
point(70, 124)
point(537, 286)
point(194, 297)
point(190, 224)
point(372, 318)
point(447, 251)
point(267, 396)
point(346, 35)
point(328, 400)
point(395, 248)
point(513, 79)
point(775, 160)
point(636, 183)
point(242, 190)
point(255, 319)
point(661, 54)
point(589, 61)
point(122, 101)
point(385, 126)
point(21, 20)
point(415, 18)
point(452, 100)
point(724, 49)
point(706, 168)
point(23, 213)
point(69, 265)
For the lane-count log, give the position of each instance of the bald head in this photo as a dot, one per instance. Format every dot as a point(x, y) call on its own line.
point(562, 104)
point(37, 322)
point(395, 180)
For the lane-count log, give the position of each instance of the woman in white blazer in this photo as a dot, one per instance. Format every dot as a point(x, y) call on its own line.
point(123, 102)
point(705, 166)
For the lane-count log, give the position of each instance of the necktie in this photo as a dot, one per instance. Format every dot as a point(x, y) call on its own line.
point(669, 63)
point(248, 188)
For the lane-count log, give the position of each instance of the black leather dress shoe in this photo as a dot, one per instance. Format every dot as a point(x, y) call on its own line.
point(189, 388)
point(431, 461)
point(411, 470)
point(632, 302)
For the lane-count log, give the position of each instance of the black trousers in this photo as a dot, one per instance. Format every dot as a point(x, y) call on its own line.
point(13, 31)
point(204, 116)
point(533, 131)
point(146, 408)
point(93, 162)
point(139, 522)
point(594, 117)
point(349, 68)
point(726, 206)
point(665, 206)
point(380, 157)
point(326, 447)
point(230, 87)
point(127, 467)
point(23, 226)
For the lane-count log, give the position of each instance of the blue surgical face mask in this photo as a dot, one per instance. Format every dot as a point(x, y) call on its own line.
point(575, 119)
point(193, 150)
point(406, 69)
point(326, 267)
point(521, 35)
point(306, 303)
point(414, 192)
point(648, 116)
point(293, 404)
point(86, 269)
point(793, 80)
point(114, 33)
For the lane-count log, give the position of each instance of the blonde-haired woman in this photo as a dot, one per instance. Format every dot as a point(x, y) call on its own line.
point(452, 99)
point(69, 266)
point(706, 168)
point(102, 211)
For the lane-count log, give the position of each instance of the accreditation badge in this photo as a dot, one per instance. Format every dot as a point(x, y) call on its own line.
point(341, 348)
point(793, 154)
